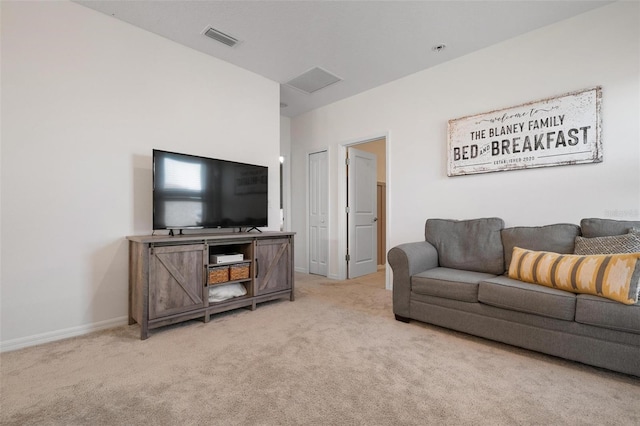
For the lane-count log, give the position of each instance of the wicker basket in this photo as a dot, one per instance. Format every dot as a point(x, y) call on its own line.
point(239, 272)
point(218, 274)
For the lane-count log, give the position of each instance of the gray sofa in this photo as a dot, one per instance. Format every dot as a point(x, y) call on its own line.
point(456, 279)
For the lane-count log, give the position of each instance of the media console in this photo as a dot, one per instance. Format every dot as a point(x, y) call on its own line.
point(170, 276)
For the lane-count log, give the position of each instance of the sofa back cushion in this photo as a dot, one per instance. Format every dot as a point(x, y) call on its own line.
point(605, 227)
point(470, 245)
point(558, 238)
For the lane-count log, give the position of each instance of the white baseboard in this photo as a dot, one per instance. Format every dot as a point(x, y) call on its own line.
point(52, 336)
point(301, 270)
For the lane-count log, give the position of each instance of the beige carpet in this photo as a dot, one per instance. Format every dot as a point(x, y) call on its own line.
point(334, 356)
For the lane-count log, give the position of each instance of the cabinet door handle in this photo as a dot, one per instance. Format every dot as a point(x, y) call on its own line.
point(257, 268)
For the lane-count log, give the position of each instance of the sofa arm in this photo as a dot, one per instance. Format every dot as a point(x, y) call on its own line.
point(407, 260)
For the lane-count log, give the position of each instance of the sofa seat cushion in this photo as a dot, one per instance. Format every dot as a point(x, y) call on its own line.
point(507, 293)
point(601, 312)
point(449, 283)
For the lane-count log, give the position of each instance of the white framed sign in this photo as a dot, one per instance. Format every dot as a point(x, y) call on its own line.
point(556, 131)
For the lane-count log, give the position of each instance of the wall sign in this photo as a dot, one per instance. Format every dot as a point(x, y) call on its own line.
point(551, 132)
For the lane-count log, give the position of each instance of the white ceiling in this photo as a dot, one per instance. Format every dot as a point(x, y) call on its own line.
point(366, 43)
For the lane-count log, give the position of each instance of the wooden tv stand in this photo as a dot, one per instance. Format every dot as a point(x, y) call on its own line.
point(169, 275)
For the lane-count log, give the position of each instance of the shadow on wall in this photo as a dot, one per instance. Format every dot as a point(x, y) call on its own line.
point(109, 299)
point(142, 194)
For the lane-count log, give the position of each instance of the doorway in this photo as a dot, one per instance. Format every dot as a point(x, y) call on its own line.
point(366, 219)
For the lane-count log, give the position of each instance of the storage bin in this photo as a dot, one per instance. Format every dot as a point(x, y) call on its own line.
point(239, 272)
point(218, 274)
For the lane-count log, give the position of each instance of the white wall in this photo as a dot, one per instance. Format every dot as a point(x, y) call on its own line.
point(601, 47)
point(85, 98)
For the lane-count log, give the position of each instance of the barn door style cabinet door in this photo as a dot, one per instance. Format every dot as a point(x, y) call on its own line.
point(273, 265)
point(176, 279)
point(172, 278)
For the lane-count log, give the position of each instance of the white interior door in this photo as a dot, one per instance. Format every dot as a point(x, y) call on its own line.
point(362, 213)
point(318, 202)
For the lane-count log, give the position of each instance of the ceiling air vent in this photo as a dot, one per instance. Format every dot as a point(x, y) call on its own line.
point(313, 80)
point(221, 37)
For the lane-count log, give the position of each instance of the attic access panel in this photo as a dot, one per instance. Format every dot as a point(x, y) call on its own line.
point(313, 80)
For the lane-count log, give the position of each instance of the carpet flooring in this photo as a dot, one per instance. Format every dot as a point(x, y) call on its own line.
point(335, 356)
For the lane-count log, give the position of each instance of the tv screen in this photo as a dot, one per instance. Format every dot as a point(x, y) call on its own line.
point(199, 192)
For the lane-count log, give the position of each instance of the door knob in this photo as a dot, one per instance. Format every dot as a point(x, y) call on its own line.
point(375, 219)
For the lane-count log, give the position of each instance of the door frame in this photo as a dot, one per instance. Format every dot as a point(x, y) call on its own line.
point(342, 201)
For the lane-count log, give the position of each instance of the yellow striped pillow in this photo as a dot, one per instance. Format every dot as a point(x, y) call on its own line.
point(614, 276)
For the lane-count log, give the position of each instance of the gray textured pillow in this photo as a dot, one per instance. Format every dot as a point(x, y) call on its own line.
point(557, 238)
point(627, 243)
point(606, 227)
point(470, 245)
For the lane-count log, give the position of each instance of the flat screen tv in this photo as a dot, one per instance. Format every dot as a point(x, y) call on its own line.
point(198, 192)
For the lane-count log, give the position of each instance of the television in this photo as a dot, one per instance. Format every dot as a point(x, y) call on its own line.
point(198, 192)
